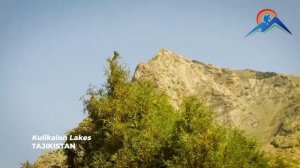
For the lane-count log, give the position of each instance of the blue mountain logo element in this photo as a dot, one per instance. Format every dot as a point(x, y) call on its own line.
point(266, 23)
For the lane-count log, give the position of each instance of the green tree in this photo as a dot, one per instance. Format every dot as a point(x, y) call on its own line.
point(133, 124)
point(129, 123)
point(26, 164)
point(199, 142)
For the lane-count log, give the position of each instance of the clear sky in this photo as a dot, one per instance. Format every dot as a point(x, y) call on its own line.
point(51, 51)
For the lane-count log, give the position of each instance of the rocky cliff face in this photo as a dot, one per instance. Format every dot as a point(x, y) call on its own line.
point(264, 104)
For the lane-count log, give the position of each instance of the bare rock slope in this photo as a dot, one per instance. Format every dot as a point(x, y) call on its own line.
point(264, 104)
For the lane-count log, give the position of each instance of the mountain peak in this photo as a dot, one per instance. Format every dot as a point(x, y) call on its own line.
point(164, 51)
point(166, 54)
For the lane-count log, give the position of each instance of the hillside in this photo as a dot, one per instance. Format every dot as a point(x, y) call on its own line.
point(264, 104)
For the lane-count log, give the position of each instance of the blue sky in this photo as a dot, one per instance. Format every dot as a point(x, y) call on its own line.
point(51, 51)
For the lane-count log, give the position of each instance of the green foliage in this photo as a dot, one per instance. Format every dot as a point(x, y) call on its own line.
point(132, 124)
point(201, 143)
point(26, 164)
point(279, 163)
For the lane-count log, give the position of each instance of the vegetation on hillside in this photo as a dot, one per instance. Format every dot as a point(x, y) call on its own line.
point(132, 124)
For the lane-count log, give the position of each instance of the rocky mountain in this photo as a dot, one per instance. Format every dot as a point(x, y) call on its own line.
point(264, 104)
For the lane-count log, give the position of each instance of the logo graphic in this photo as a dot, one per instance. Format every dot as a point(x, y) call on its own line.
point(267, 19)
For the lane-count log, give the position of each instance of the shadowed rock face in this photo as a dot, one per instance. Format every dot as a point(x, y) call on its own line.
point(264, 104)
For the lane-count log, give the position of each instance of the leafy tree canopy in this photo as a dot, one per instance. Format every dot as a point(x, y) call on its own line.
point(133, 124)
